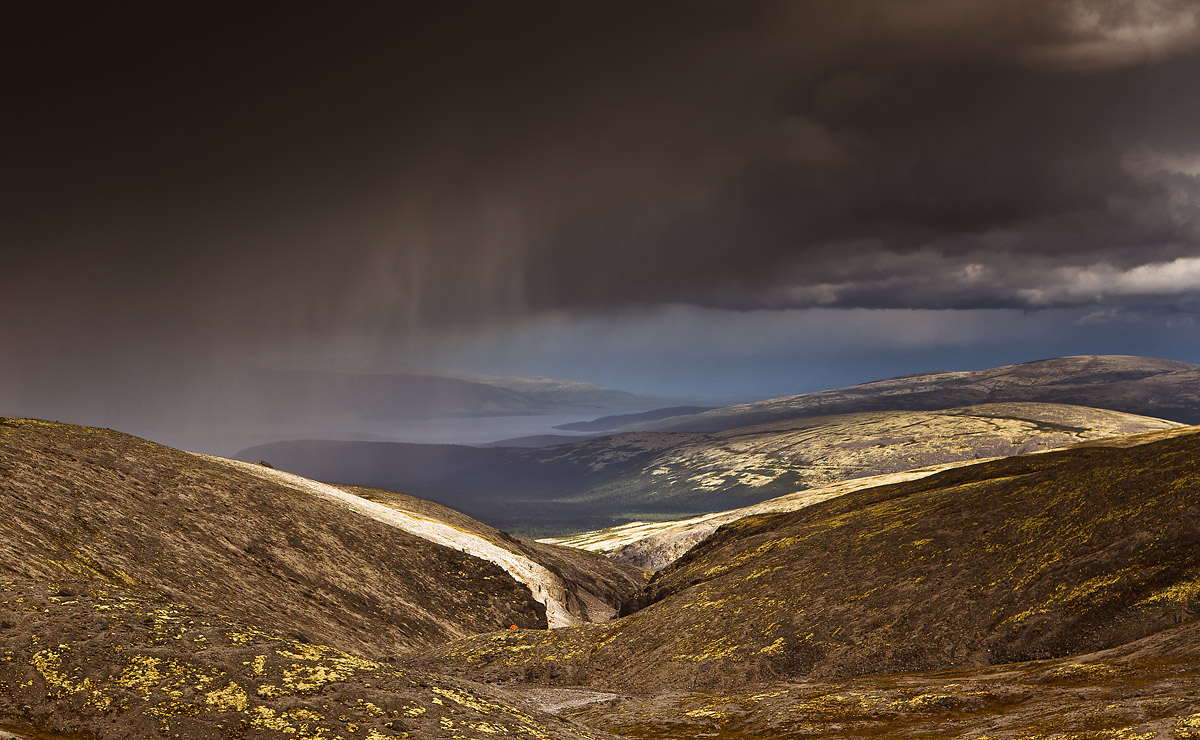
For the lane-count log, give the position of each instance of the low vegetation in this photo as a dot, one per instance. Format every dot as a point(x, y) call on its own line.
point(108, 662)
point(146, 592)
point(1026, 558)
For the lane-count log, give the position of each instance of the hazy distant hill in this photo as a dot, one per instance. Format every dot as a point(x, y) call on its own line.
point(318, 396)
point(609, 423)
point(609, 480)
point(1137, 385)
point(242, 409)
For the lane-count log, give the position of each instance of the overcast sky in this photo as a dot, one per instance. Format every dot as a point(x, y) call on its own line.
point(750, 198)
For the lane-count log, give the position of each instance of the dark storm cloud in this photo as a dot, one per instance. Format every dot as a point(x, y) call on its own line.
point(226, 173)
point(953, 155)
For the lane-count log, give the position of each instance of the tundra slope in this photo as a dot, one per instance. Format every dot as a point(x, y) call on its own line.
point(596, 588)
point(654, 545)
point(562, 602)
point(1142, 690)
point(1069, 550)
point(1025, 558)
point(546, 587)
point(101, 506)
point(146, 591)
point(615, 479)
point(104, 662)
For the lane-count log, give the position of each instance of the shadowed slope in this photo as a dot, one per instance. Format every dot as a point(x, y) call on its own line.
point(655, 545)
point(1030, 557)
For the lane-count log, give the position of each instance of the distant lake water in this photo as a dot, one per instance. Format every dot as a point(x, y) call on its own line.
point(471, 430)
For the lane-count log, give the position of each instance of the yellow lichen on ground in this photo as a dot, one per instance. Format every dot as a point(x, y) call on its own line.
point(1188, 728)
point(258, 665)
point(247, 635)
point(232, 697)
point(775, 648)
point(48, 662)
point(264, 718)
point(334, 666)
point(719, 649)
point(1084, 670)
point(462, 698)
point(1183, 592)
point(141, 675)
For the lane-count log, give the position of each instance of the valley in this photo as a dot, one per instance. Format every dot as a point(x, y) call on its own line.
point(1005, 569)
point(624, 370)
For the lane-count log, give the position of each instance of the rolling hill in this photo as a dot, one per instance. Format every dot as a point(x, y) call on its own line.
point(161, 591)
point(1075, 569)
point(601, 482)
point(261, 545)
point(1146, 386)
point(654, 545)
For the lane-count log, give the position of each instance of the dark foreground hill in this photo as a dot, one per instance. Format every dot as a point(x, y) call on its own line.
point(600, 482)
point(1142, 690)
point(150, 592)
point(117, 511)
point(109, 663)
point(1027, 558)
point(1164, 389)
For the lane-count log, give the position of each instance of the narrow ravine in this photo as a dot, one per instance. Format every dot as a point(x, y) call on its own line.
point(547, 588)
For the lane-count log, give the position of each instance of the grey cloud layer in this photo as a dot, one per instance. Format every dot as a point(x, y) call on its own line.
point(390, 167)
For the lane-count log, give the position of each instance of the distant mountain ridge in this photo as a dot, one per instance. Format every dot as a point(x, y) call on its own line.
point(1164, 389)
